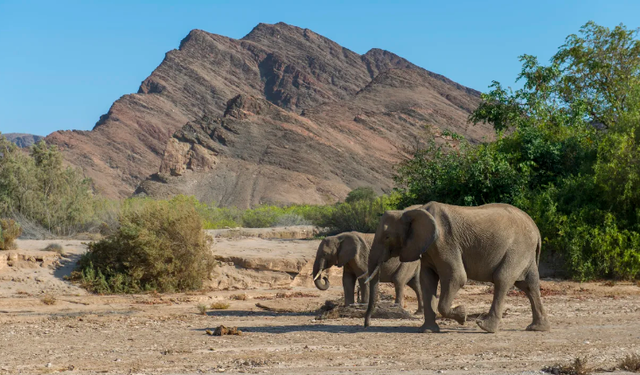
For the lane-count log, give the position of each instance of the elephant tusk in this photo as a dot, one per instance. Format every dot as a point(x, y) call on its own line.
point(317, 276)
point(373, 274)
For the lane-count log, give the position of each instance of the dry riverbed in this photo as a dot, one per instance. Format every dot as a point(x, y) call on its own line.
point(51, 326)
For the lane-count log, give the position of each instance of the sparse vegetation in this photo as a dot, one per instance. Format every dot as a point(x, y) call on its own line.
point(361, 194)
point(55, 247)
point(159, 245)
point(220, 305)
point(359, 215)
point(630, 363)
point(577, 367)
point(202, 308)
point(239, 297)
point(9, 231)
point(49, 299)
point(37, 187)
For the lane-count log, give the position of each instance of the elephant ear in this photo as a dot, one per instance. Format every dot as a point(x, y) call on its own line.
point(347, 249)
point(421, 232)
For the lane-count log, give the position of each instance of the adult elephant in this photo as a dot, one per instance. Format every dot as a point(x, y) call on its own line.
point(495, 243)
point(351, 251)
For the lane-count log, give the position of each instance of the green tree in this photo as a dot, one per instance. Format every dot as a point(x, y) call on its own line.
point(567, 153)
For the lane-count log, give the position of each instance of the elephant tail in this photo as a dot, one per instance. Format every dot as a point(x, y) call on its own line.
point(538, 250)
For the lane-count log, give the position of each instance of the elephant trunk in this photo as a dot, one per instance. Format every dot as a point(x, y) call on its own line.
point(321, 282)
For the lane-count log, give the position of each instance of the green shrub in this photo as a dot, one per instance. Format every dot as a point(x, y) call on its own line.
point(158, 245)
point(361, 194)
point(361, 216)
point(38, 187)
point(9, 231)
point(567, 153)
point(262, 217)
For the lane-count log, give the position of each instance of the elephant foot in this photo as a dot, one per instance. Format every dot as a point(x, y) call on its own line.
point(430, 328)
point(488, 323)
point(459, 314)
point(419, 311)
point(541, 326)
point(367, 322)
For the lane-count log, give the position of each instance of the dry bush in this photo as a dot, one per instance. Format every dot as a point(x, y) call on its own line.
point(220, 305)
point(9, 231)
point(49, 299)
point(159, 245)
point(630, 363)
point(239, 297)
point(202, 308)
point(578, 367)
point(56, 248)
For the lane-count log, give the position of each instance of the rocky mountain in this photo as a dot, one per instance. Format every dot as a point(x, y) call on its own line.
point(281, 115)
point(22, 140)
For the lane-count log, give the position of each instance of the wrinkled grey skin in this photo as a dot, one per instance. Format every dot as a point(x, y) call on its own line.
point(495, 243)
point(351, 251)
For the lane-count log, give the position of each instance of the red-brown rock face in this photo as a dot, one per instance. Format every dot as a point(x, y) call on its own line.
point(281, 115)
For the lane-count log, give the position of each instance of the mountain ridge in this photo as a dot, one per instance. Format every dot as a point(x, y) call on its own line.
point(295, 69)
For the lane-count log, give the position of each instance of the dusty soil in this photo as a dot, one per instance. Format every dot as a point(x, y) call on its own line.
point(82, 333)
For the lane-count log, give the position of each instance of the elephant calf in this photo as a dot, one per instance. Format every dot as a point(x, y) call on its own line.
point(351, 251)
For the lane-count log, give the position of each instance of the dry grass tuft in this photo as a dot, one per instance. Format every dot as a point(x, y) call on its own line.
point(49, 299)
point(220, 305)
point(56, 248)
point(578, 367)
point(630, 363)
point(296, 295)
point(202, 308)
point(239, 297)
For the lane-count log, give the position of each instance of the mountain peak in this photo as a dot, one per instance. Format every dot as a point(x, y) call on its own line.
point(248, 96)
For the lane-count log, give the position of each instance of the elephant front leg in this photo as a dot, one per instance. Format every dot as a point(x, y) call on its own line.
point(429, 283)
point(349, 285)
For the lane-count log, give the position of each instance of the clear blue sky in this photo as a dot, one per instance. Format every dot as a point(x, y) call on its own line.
point(63, 63)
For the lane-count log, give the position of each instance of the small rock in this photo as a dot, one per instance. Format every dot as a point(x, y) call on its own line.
point(48, 365)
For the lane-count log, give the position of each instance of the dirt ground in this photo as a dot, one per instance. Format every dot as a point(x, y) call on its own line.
point(80, 333)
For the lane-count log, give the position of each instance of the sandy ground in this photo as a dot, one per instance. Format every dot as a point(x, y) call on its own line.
point(165, 334)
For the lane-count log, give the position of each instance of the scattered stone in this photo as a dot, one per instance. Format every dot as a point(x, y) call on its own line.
point(224, 331)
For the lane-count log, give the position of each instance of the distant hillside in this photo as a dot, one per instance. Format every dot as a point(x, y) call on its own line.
point(22, 140)
point(281, 115)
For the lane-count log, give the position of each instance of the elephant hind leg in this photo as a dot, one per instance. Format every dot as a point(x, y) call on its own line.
point(415, 285)
point(399, 286)
point(491, 322)
point(349, 285)
point(531, 287)
point(364, 291)
point(450, 285)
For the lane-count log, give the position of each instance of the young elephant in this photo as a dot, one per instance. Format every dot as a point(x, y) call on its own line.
point(495, 243)
point(351, 251)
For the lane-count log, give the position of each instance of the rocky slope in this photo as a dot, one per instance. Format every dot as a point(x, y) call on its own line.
point(22, 140)
point(282, 114)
